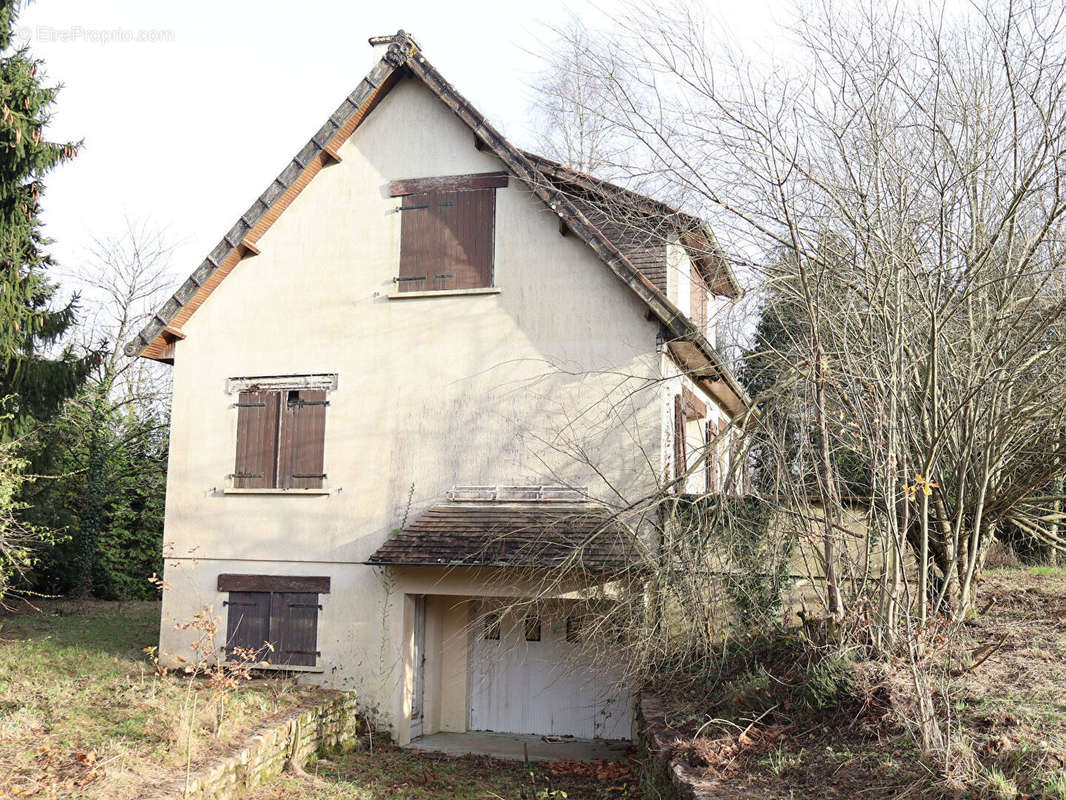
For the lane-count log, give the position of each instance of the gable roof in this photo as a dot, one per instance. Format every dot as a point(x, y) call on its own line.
point(512, 534)
point(688, 345)
point(640, 226)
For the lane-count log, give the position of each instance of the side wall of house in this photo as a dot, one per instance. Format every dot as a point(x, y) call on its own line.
point(551, 380)
point(674, 383)
point(679, 291)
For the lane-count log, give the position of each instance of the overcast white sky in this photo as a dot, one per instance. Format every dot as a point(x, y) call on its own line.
point(187, 131)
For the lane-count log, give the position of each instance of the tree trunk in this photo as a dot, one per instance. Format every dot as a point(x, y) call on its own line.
point(830, 497)
point(93, 497)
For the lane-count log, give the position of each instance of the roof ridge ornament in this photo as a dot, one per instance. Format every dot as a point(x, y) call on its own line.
point(402, 47)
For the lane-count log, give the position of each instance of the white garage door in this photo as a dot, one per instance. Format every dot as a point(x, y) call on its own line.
point(525, 677)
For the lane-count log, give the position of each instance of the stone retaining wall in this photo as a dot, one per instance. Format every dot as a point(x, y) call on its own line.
point(669, 778)
point(266, 753)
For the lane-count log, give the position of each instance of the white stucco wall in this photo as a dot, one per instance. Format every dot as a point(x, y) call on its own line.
point(486, 389)
point(679, 289)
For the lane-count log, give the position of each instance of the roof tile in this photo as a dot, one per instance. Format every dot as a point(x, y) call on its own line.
point(512, 534)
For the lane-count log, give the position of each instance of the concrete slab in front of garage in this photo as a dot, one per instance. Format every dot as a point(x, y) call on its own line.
point(518, 746)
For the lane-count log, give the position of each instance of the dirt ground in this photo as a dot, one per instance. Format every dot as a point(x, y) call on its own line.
point(1002, 675)
point(1012, 707)
point(384, 773)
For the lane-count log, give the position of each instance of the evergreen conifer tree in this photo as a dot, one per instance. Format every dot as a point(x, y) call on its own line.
point(34, 378)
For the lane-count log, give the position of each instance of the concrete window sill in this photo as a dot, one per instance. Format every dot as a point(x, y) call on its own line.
point(316, 492)
point(397, 295)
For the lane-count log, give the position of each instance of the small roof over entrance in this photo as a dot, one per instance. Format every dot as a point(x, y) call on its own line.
point(513, 534)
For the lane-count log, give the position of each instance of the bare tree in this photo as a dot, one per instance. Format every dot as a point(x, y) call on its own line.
point(568, 94)
point(125, 399)
point(123, 281)
point(902, 182)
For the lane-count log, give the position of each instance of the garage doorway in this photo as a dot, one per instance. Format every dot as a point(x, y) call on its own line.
point(528, 674)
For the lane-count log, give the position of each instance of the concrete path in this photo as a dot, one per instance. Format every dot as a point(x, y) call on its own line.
point(511, 745)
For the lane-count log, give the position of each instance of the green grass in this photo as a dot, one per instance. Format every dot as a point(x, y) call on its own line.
point(82, 712)
point(1035, 569)
point(1046, 570)
point(390, 772)
point(1055, 785)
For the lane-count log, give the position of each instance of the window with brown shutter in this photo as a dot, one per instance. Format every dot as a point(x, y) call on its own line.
point(680, 457)
point(294, 620)
point(248, 625)
point(287, 621)
point(280, 439)
point(447, 231)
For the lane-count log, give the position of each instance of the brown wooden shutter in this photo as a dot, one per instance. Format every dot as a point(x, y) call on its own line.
point(468, 237)
point(711, 465)
point(248, 623)
point(680, 458)
point(446, 239)
point(294, 616)
point(420, 255)
point(257, 441)
point(302, 439)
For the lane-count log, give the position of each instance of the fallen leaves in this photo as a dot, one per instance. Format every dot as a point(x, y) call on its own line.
point(613, 776)
point(720, 756)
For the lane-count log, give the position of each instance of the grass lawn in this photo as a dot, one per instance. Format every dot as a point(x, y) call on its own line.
point(83, 714)
point(390, 772)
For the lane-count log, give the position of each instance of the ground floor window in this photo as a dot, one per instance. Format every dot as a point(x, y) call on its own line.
point(276, 614)
point(532, 628)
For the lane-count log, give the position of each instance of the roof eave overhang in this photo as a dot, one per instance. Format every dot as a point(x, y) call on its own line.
point(701, 245)
point(240, 241)
point(701, 363)
point(490, 565)
point(704, 250)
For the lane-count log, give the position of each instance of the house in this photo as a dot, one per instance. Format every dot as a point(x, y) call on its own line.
point(418, 374)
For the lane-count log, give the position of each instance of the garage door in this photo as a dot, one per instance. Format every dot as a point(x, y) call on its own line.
point(527, 675)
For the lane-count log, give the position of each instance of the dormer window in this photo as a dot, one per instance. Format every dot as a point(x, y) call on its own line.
point(446, 231)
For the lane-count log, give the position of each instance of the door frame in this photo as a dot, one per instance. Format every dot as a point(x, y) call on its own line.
point(418, 657)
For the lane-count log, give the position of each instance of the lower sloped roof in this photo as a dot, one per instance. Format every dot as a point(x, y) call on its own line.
point(512, 534)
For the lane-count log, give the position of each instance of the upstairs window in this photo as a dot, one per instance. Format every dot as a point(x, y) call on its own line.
point(280, 436)
point(689, 410)
point(447, 231)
